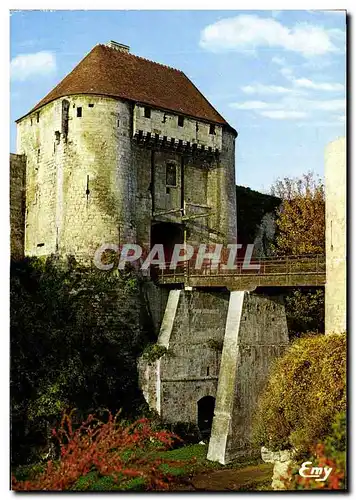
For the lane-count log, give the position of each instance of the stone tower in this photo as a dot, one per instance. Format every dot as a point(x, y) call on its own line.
point(119, 152)
point(335, 236)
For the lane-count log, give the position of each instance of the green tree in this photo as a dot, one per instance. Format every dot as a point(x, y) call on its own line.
point(76, 333)
point(300, 222)
point(301, 216)
point(305, 390)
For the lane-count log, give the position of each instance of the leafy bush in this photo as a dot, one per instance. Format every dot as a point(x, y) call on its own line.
point(301, 216)
point(251, 207)
point(300, 223)
point(153, 352)
point(331, 453)
point(187, 432)
point(305, 310)
point(76, 333)
point(336, 441)
point(112, 450)
point(306, 388)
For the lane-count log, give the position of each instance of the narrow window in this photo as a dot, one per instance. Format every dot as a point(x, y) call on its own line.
point(79, 112)
point(171, 174)
point(38, 155)
point(87, 191)
point(37, 117)
point(31, 122)
point(40, 244)
point(212, 130)
point(207, 372)
point(147, 112)
point(180, 121)
point(90, 105)
point(65, 118)
point(118, 123)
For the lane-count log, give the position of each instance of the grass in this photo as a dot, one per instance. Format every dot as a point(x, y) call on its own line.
point(27, 472)
point(193, 461)
point(94, 482)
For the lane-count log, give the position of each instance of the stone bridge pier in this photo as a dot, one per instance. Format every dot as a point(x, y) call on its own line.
point(218, 345)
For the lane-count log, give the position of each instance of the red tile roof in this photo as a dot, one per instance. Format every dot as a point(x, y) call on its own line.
point(110, 72)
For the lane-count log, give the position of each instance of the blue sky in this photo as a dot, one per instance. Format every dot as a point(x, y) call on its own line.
point(278, 77)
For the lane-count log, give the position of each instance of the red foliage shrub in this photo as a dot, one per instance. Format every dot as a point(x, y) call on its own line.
point(112, 449)
point(319, 458)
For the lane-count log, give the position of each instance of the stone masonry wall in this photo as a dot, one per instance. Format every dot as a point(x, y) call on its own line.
point(219, 345)
point(88, 182)
point(36, 140)
point(165, 124)
point(256, 333)
point(193, 331)
point(17, 205)
point(167, 198)
point(335, 235)
point(263, 337)
point(208, 189)
point(81, 185)
point(190, 369)
point(222, 192)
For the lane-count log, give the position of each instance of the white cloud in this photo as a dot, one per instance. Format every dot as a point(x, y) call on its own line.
point(306, 83)
point(292, 107)
point(25, 66)
point(299, 84)
point(259, 88)
point(330, 105)
point(328, 11)
point(284, 114)
point(250, 105)
point(250, 32)
point(318, 64)
point(309, 84)
point(278, 60)
point(321, 123)
point(287, 73)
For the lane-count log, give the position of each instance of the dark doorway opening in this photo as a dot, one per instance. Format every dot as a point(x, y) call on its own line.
point(206, 407)
point(166, 234)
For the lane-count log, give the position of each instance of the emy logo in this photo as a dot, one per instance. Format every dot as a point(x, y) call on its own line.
point(319, 473)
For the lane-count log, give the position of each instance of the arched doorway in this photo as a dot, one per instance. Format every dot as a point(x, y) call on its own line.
point(206, 407)
point(166, 234)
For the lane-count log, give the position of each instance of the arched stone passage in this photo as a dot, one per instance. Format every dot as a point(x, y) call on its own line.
point(166, 234)
point(206, 407)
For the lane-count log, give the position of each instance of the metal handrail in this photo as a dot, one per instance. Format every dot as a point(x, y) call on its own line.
point(268, 266)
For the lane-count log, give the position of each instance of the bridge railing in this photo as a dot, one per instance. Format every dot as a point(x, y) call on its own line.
point(282, 265)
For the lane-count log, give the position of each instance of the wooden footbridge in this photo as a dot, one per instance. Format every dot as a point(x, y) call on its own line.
point(286, 271)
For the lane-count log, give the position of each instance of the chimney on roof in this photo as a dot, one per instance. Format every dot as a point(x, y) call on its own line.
point(118, 46)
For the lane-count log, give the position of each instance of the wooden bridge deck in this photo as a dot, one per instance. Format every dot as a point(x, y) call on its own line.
point(287, 271)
